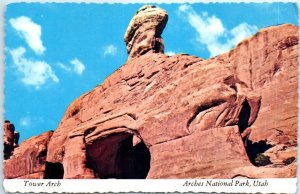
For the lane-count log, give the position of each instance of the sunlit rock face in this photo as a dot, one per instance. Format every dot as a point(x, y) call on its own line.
point(29, 159)
point(231, 116)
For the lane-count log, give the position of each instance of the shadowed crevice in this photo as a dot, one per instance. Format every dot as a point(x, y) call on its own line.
point(244, 117)
point(54, 171)
point(254, 150)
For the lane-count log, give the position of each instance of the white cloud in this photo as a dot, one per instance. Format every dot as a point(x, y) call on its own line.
point(30, 31)
point(184, 7)
point(64, 67)
point(110, 50)
point(170, 53)
point(241, 32)
point(34, 73)
point(25, 121)
point(210, 30)
point(78, 66)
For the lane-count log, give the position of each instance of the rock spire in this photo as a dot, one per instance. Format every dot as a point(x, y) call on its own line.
point(144, 31)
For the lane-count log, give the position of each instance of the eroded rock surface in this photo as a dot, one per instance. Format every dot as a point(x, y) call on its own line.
point(185, 117)
point(144, 30)
point(268, 64)
point(29, 159)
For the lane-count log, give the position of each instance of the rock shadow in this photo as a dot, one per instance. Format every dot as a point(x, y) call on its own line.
point(254, 150)
point(54, 171)
point(115, 156)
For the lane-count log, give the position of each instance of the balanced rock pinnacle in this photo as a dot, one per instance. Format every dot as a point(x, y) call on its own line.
point(144, 31)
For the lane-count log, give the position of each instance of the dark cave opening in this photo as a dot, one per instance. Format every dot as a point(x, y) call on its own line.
point(115, 156)
point(157, 46)
point(254, 150)
point(54, 171)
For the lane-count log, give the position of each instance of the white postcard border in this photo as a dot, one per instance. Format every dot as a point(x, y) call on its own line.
point(287, 185)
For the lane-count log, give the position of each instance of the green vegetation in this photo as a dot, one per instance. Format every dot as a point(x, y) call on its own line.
point(262, 160)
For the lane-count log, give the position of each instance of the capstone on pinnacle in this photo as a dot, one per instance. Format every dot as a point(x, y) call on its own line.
point(144, 31)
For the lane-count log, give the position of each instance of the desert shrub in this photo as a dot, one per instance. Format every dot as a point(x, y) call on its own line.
point(289, 160)
point(262, 160)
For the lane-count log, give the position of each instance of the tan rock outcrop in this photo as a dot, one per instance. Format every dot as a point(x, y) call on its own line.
point(185, 117)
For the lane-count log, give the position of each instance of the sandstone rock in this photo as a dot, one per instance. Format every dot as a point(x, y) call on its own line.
point(268, 64)
point(29, 159)
point(280, 154)
point(182, 116)
point(144, 30)
point(189, 113)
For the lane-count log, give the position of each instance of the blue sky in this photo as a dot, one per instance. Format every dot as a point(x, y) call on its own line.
point(57, 51)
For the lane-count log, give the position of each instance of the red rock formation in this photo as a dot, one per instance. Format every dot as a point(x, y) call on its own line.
point(10, 139)
point(268, 64)
point(29, 159)
point(185, 117)
point(143, 32)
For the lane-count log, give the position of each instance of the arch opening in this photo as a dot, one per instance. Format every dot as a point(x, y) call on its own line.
point(118, 156)
point(254, 150)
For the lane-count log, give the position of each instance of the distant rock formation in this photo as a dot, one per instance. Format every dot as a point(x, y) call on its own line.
point(11, 138)
point(29, 159)
point(231, 116)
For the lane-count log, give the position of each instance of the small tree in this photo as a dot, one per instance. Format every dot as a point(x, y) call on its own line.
point(262, 160)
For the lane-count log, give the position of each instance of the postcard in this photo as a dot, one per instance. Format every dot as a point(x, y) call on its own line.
point(150, 96)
